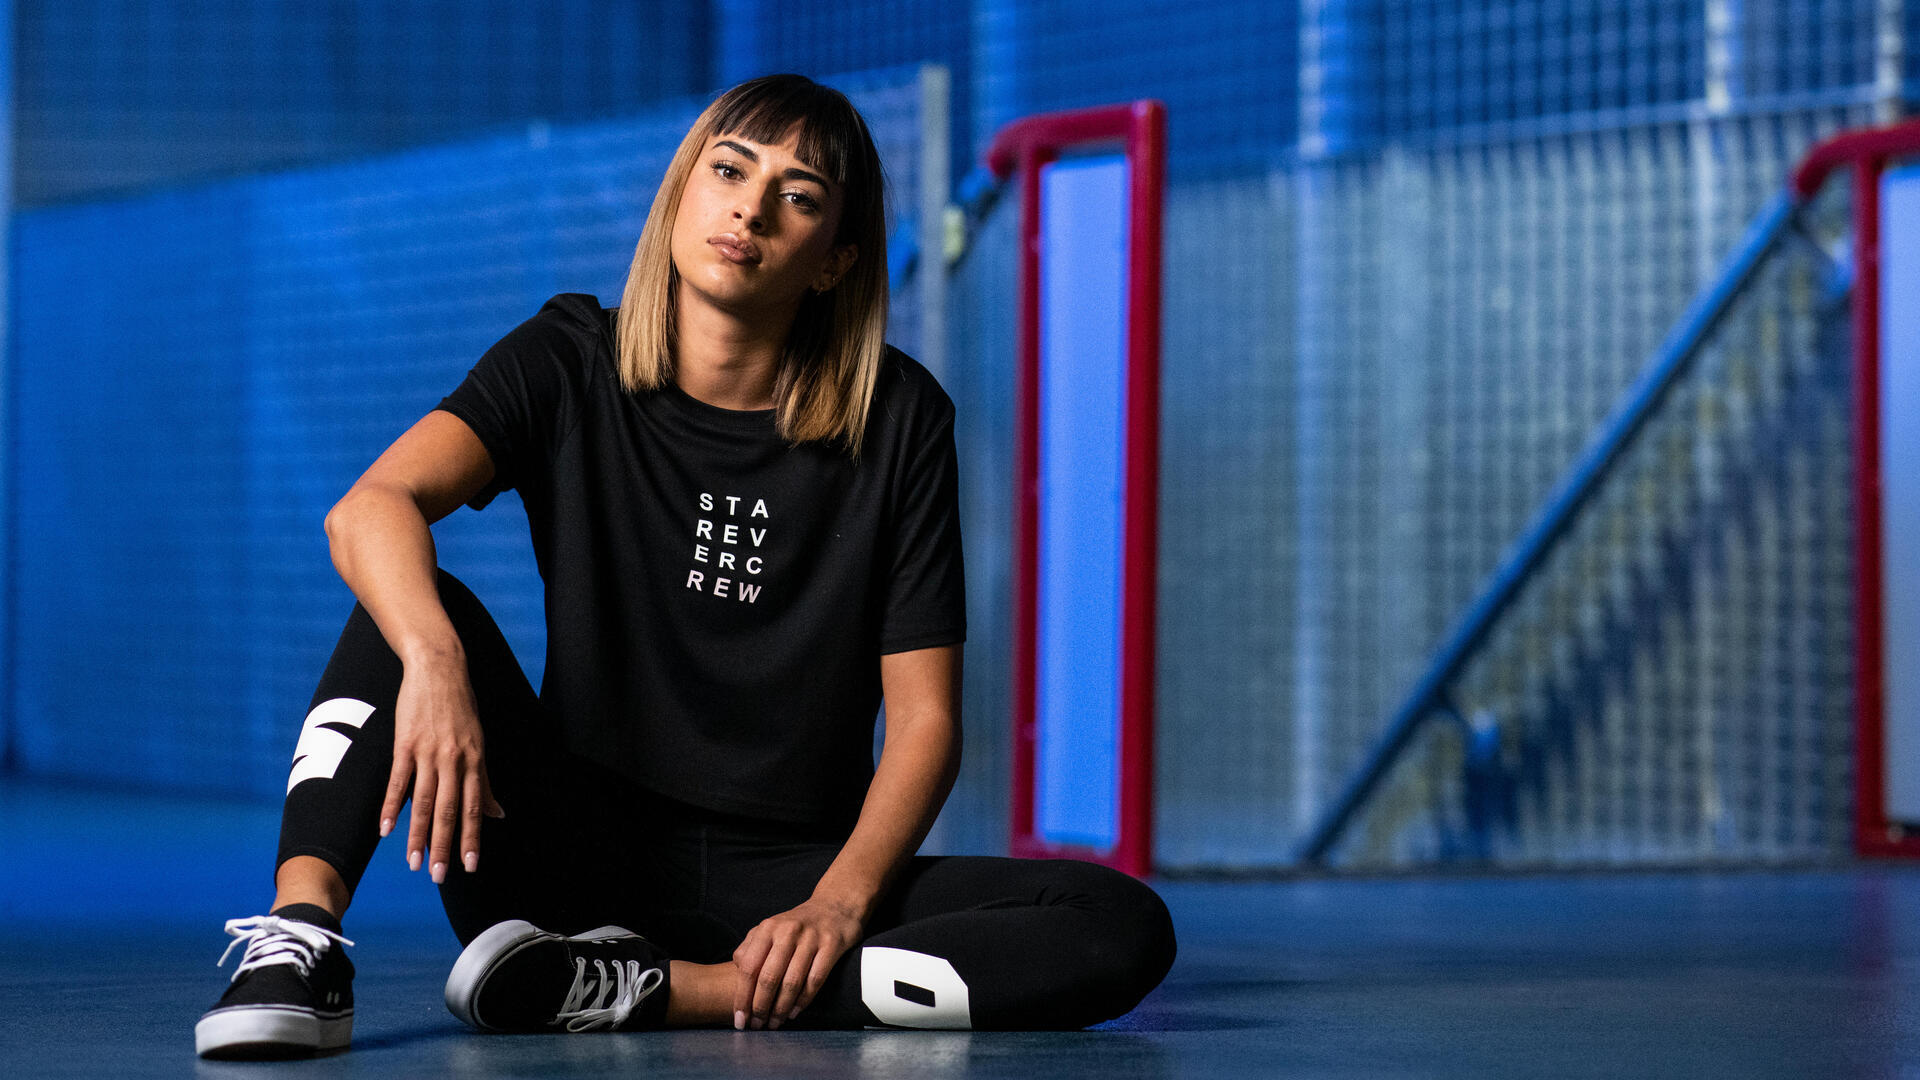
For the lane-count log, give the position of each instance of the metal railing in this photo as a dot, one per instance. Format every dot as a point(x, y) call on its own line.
point(1779, 222)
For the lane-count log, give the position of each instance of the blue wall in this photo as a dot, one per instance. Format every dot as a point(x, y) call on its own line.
point(116, 95)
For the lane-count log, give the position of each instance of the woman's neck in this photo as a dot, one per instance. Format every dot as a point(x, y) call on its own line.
point(726, 360)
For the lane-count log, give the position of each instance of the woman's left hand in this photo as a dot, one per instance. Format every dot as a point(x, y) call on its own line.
point(785, 960)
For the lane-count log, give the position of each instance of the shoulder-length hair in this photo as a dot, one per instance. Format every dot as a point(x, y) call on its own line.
point(825, 382)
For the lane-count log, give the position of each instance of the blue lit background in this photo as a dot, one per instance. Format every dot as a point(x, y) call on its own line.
point(1414, 252)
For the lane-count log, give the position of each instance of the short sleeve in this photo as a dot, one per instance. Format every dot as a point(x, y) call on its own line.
point(926, 601)
point(521, 398)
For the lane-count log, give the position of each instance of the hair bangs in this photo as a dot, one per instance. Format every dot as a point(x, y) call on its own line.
point(830, 129)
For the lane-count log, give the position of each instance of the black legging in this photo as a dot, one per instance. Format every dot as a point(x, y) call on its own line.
point(1009, 943)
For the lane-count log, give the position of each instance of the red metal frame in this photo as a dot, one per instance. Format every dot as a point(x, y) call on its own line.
point(1867, 152)
point(1025, 147)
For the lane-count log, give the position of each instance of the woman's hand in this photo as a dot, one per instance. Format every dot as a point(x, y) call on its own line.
point(785, 960)
point(438, 746)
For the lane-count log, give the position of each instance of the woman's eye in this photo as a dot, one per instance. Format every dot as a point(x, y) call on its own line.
point(803, 200)
point(725, 169)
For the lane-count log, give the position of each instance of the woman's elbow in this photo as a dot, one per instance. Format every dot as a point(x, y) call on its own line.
point(335, 522)
point(351, 512)
point(339, 519)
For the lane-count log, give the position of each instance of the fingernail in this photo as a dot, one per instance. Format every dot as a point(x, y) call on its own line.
point(795, 1014)
point(739, 1020)
point(498, 811)
point(773, 1024)
point(471, 860)
point(386, 826)
point(439, 872)
point(758, 1023)
point(413, 860)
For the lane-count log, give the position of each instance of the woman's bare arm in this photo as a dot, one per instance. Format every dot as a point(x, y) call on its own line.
point(918, 763)
point(383, 548)
point(784, 961)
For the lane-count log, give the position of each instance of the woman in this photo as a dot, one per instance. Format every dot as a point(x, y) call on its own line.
point(744, 508)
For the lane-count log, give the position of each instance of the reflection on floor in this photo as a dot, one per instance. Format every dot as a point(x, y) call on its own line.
point(111, 905)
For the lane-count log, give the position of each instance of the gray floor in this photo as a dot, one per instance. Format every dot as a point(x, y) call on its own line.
point(112, 904)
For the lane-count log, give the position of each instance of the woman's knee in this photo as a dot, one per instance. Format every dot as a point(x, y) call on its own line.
point(1151, 926)
point(1140, 944)
point(472, 622)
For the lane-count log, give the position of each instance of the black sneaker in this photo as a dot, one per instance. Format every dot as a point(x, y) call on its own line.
point(518, 977)
point(291, 995)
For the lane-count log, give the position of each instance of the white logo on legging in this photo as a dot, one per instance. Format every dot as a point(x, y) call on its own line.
point(318, 753)
point(910, 989)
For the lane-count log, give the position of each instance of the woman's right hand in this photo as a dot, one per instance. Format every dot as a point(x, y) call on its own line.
point(437, 745)
point(380, 537)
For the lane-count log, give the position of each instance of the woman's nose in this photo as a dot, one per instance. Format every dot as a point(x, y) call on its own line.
point(750, 211)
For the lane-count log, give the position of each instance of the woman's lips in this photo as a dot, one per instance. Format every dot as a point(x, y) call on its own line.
point(735, 250)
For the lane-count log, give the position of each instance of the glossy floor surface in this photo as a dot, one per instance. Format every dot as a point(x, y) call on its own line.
point(111, 906)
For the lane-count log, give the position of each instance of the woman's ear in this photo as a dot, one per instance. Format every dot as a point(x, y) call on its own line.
point(839, 260)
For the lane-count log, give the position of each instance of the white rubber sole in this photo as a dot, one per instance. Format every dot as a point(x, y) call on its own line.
point(249, 1031)
point(485, 953)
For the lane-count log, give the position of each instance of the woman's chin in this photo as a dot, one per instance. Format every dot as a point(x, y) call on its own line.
point(740, 299)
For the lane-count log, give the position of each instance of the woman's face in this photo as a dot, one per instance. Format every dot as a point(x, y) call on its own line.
point(755, 228)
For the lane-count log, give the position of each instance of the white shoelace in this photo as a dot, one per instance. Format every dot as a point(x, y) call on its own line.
point(273, 940)
point(627, 986)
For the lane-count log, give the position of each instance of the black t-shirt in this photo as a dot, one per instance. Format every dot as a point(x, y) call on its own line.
point(718, 600)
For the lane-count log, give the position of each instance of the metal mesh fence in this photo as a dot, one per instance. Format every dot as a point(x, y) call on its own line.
point(1677, 686)
point(1457, 63)
point(1807, 47)
point(1366, 400)
point(1226, 69)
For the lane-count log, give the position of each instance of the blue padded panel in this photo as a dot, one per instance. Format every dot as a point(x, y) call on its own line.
point(202, 372)
point(116, 96)
point(1082, 475)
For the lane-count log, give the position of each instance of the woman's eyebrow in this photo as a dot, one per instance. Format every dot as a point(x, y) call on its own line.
point(790, 174)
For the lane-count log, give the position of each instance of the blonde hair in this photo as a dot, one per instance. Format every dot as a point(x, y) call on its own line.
point(825, 382)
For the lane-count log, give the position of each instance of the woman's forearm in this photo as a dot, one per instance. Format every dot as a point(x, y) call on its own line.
point(917, 767)
point(783, 962)
point(383, 549)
